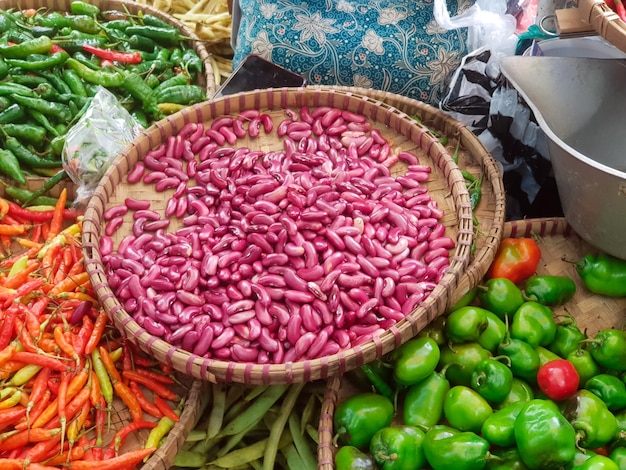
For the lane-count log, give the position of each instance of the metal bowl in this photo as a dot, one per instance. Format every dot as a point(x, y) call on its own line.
point(579, 104)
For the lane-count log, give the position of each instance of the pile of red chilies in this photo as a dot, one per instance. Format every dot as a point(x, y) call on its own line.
point(63, 369)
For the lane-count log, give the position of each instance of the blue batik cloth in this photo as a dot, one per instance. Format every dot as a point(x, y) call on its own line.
point(394, 46)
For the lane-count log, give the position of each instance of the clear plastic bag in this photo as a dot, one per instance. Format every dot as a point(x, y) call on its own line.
point(92, 144)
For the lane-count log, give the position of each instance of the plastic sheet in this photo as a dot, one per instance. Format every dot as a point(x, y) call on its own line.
point(94, 141)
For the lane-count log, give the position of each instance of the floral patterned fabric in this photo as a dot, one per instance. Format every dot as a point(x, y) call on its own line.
point(394, 46)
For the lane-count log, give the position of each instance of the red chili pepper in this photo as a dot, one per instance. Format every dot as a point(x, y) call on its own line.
point(165, 409)
point(120, 436)
point(40, 360)
point(516, 259)
point(116, 56)
point(40, 216)
point(158, 388)
point(146, 405)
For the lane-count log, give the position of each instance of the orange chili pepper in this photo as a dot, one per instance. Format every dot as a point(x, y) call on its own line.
point(98, 330)
point(146, 405)
point(156, 387)
point(56, 224)
point(69, 283)
point(125, 460)
point(165, 409)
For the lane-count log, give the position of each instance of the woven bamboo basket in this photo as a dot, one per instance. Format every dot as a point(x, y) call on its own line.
point(446, 187)
point(474, 158)
point(206, 80)
point(560, 246)
point(604, 21)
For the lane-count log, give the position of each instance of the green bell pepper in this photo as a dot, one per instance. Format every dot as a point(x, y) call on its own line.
point(415, 360)
point(549, 290)
point(610, 389)
point(423, 402)
point(603, 274)
point(436, 330)
point(466, 324)
point(608, 348)
point(595, 425)
point(584, 363)
point(618, 455)
point(465, 409)
point(498, 428)
point(351, 458)
point(567, 337)
point(460, 360)
point(359, 417)
point(597, 462)
point(500, 296)
point(506, 459)
point(524, 359)
point(494, 334)
point(447, 448)
point(492, 380)
point(533, 323)
point(521, 391)
point(398, 448)
point(545, 439)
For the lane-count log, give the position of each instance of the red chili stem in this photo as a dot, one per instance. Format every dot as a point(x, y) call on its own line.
point(116, 56)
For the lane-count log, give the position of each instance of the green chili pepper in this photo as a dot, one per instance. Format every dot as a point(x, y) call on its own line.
point(524, 358)
point(12, 89)
point(584, 363)
point(26, 133)
point(446, 448)
point(4, 69)
point(533, 323)
point(500, 296)
point(57, 110)
point(73, 81)
point(53, 60)
point(7, 21)
point(84, 8)
point(460, 360)
point(351, 458)
point(192, 61)
point(10, 166)
point(142, 43)
point(49, 31)
point(40, 45)
point(57, 144)
point(603, 274)
point(105, 79)
point(610, 389)
point(567, 338)
point(465, 409)
point(608, 348)
point(415, 360)
point(29, 80)
point(359, 417)
point(423, 402)
point(492, 380)
point(166, 36)
point(498, 428)
point(153, 20)
point(549, 290)
point(75, 40)
point(26, 157)
point(20, 195)
point(50, 183)
point(377, 381)
point(57, 82)
point(595, 425)
point(494, 334)
point(182, 94)
point(398, 448)
point(137, 87)
point(5, 103)
point(157, 433)
point(545, 439)
point(11, 114)
point(18, 37)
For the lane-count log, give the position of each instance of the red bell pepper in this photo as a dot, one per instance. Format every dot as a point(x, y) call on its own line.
point(516, 259)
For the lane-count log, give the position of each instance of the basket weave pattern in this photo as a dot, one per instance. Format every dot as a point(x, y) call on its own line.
point(446, 187)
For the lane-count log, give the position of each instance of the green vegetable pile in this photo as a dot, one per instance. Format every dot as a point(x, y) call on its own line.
point(498, 382)
point(257, 427)
point(52, 63)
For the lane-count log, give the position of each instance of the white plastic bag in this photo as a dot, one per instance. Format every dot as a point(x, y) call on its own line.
point(101, 133)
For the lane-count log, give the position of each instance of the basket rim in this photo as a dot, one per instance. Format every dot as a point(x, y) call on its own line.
point(604, 21)
point(215, 370)
point(208, 79)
